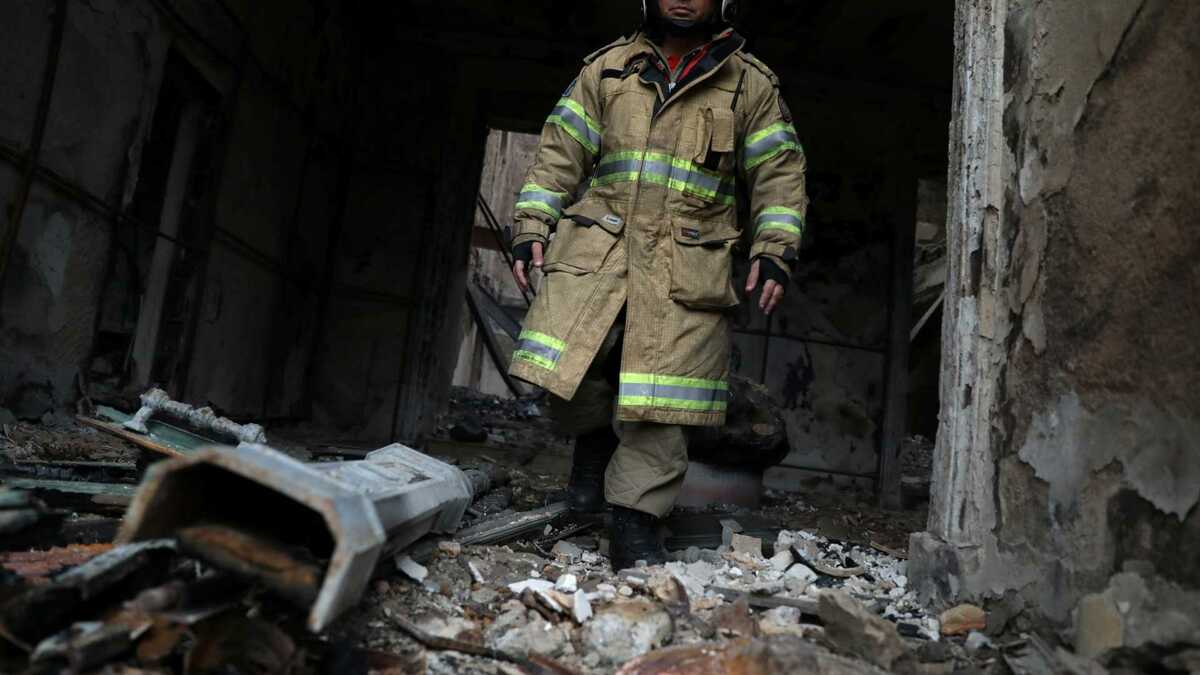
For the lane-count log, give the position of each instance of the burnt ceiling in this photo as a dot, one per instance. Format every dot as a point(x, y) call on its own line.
point(899, 43)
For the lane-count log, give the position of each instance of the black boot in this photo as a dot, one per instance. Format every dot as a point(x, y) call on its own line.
point(634, 538)
point(585, 490)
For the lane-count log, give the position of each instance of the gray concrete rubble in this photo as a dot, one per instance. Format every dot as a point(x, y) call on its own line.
point(800, 585)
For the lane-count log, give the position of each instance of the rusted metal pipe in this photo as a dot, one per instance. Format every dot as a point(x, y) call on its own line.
point(350, 514)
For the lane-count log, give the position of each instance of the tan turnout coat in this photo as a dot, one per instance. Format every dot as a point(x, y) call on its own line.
point(668, 163)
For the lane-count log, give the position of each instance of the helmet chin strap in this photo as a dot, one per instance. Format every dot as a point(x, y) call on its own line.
point(684, 28)
point(677, 27)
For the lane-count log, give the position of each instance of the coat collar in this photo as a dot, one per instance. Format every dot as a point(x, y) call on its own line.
point(655, 71)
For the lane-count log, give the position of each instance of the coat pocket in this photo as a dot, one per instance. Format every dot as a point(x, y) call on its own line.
point(702, 264)
point(715, 140)
point(707, 177)
point(584, 237)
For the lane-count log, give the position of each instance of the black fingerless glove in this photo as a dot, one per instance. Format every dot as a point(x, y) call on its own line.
point(524, 252)
point(769, 271)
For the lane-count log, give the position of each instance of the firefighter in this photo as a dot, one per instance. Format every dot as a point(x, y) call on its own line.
point(672, 127)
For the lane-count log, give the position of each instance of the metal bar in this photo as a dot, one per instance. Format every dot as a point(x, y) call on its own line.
point(496, 312)
point(925, 318)
point(49, 74)
point(494, 225)
point(489, 341)
point(497, 231)
point(793, 338)
point(157, 401)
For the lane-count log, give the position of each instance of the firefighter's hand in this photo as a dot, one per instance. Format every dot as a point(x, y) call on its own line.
point(529, 252)
point(774, 286)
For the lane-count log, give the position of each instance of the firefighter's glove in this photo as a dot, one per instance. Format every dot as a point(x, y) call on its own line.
point(772, 272)
point(524, 252)
point(774, 283)
point(526, 255)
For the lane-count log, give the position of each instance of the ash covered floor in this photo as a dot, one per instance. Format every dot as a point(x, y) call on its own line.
point(813, 582)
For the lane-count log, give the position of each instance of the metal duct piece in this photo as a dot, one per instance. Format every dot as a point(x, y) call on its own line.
point(348, 513)
point(157, 400)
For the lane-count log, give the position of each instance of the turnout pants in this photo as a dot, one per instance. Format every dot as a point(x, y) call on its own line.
point(647, 469)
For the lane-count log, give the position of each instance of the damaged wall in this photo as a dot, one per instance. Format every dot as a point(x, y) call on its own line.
point(328, 257)
point(279, 79)
point(109, 60)
point(1070, 417)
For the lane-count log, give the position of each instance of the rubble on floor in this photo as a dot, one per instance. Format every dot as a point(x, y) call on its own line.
point(812, 585)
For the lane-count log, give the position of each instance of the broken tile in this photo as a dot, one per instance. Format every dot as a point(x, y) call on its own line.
point(751, 546)
point(566, 550)
point(566, 583)
point(626, 630)
point(977, 641)
point(534, 637)
point(520, 587)
point(782, 560)
point(413, 569)
point(582, 607)
point(852, 629)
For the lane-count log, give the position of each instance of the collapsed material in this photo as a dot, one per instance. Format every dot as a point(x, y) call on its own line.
point(349, 513)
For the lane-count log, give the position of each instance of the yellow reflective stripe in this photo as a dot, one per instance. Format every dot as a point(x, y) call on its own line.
point(575, 107)
point(762, 146)
point(540, 206)
point(666, 170)
point(552, 342)
point(784, 227)
point(781, 218)
point(677, 403)
point(673, 381)
point(626, 155)
point(572, 118)
point(534, 359)
point(758, 136)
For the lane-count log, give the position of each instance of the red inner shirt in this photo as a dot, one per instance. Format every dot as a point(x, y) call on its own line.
point(673, 61)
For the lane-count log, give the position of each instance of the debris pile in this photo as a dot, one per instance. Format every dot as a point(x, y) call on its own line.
point(251, 560)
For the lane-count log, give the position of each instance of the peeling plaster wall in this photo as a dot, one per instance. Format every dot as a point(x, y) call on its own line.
point(1071, 420)
point(111, 58)
point(257, 308)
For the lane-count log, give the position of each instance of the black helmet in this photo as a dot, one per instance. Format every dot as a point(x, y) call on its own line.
point(729, 10)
